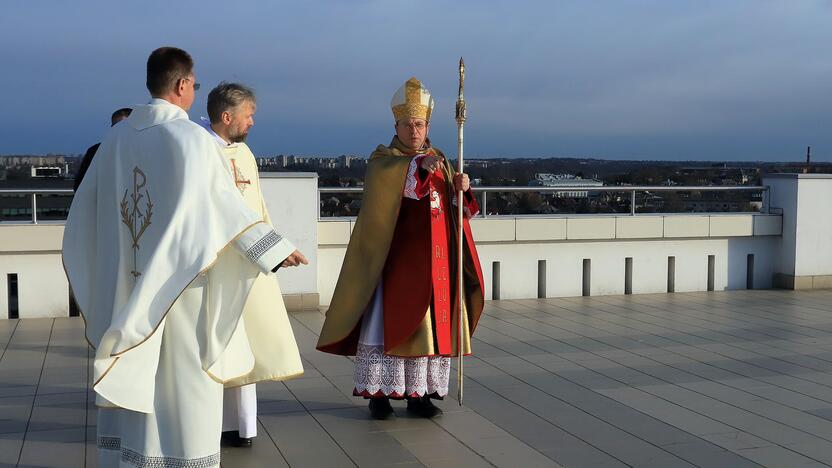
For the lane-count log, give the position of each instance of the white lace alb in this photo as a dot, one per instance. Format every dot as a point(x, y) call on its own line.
point(411, 181)
point(376, 372)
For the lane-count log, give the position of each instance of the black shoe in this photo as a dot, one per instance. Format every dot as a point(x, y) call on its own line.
point(423, 407)
point(233, 439)
point(242, 442)
point(380, 408)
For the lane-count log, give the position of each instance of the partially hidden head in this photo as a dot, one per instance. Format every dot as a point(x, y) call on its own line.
point(120, 115)
point(231, 109)
point(412, 106)
point(170, 76)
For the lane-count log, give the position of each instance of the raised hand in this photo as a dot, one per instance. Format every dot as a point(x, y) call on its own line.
point(431, 163)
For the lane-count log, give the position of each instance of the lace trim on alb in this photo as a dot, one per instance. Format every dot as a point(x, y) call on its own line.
point(411, 181)
point(392, 375)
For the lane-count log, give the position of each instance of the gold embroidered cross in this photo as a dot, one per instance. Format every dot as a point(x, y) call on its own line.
point(132, 217)
point(241, 183)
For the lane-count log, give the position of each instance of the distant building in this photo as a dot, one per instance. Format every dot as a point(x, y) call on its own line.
point(480, 163)
point(49, 160)
point(50, 171)
point(711, 206)
point(277, 162)
point(565, 181)
point(282, 162)
point(323, 163)
point(291, 160)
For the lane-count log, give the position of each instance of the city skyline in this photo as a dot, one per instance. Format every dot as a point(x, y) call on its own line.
point(711, 80)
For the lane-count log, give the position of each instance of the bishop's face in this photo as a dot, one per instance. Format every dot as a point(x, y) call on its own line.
point(239, 120)
point(413, 132)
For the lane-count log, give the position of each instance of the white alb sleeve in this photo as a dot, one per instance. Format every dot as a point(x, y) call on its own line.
point(264, 247)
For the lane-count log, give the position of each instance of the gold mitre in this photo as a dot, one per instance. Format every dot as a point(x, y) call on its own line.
point(412, 100)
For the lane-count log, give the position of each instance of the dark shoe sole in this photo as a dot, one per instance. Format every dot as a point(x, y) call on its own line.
point(381, 412)
point(423, 409)
point(233, 439)
point(242, 442)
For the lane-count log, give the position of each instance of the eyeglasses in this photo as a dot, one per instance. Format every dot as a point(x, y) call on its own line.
point(196, 85)
point(414, 125)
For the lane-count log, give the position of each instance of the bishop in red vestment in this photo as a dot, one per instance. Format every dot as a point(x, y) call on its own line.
point(395, 305)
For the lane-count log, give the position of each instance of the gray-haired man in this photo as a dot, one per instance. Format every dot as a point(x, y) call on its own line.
point(231, 109)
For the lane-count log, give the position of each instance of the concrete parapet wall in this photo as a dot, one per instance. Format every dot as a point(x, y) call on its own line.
point(593, 227)
point(43, 290)
point(804, 252)
point(292, 201)
point(18, 238)
point(33, 251)
point(519, 243)
point(556, 255)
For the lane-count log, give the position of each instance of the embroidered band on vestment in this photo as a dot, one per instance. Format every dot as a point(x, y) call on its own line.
point(263, 245)
point(109, 443)
point(143, 461)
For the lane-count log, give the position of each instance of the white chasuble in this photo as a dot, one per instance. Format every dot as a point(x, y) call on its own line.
point(161, 253)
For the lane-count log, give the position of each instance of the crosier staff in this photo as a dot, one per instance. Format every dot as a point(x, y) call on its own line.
point(461, 115)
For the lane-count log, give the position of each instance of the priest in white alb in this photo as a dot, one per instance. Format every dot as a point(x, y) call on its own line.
point(161, 252)
point(231, 109)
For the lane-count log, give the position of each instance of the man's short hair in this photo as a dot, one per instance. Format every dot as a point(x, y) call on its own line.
point(165, 67)
point(120, 115)
point(225, 97)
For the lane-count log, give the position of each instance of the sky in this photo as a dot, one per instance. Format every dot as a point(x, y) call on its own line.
point(614, 79)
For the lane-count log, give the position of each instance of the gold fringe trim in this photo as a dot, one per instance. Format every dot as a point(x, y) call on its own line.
point(271, 378)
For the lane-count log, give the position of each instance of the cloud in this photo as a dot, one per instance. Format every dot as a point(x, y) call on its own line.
point(716, 79)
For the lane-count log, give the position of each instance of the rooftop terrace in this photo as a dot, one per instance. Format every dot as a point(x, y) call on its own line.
point(724, 379)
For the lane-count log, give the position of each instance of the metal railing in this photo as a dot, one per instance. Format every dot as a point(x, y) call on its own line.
point(33, 194)
point(632, 190)
point(482, 191)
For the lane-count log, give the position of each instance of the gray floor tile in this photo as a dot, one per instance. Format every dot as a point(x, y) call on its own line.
point(10, 445)
point(61, 448)
point(302, 441)
point(262, 449)
point(737, 379)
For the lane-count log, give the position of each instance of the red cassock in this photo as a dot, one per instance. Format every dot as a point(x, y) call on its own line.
point(419, 273)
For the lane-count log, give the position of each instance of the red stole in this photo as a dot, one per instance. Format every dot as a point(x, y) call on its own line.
point(413, 281)
point(440, 230)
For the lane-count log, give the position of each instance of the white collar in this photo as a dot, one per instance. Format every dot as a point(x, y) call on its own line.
point(206, 123)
